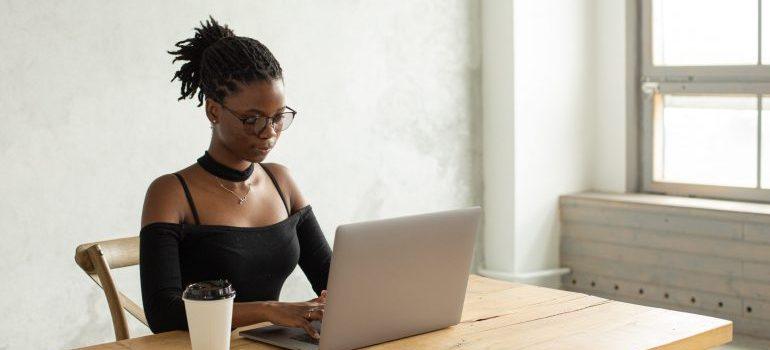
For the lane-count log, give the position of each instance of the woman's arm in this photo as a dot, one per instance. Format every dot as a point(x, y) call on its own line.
point(159, 271)
point(315, 254)
point(160, 277)
point(296, 314)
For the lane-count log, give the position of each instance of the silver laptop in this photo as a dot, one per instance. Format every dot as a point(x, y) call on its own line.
point(390, 279)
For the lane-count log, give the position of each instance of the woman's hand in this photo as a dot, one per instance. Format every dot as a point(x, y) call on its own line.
point(298, 314)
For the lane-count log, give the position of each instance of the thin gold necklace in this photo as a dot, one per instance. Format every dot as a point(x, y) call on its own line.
point(241, 200)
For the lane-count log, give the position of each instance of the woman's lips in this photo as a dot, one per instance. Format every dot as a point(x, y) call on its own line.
point(264, 149)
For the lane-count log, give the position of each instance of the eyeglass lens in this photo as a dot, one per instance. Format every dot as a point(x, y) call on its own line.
point(281, 122)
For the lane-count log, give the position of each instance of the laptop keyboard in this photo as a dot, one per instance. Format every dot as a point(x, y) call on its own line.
point(305, 338)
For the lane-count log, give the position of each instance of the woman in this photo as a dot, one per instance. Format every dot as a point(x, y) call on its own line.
point(224, 217)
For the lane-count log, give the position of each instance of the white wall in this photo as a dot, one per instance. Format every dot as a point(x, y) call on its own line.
point(550, 145)
point(553, 110)
point(388, 125)
point(498, 129)
point(610, 101)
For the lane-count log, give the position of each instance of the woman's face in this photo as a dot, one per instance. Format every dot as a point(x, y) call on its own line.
point(258, 98)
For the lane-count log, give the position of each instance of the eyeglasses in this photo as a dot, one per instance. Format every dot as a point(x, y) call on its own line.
point(279, 122)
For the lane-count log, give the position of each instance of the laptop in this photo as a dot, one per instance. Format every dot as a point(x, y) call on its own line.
point(390, 279)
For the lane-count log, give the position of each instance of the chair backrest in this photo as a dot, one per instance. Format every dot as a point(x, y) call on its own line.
point(96, 259)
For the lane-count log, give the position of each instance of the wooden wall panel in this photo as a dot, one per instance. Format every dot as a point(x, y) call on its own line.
point(712, 259)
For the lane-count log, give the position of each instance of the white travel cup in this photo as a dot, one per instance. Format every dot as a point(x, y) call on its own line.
point(209, 308)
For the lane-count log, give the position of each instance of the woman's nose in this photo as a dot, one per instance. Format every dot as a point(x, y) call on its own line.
point(268, 131)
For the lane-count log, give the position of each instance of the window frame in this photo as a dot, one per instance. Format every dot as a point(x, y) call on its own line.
point(696, 80)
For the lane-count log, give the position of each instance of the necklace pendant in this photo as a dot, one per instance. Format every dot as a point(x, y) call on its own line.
point(240, 201)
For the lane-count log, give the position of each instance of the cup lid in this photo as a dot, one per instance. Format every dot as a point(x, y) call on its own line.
point(209, 290)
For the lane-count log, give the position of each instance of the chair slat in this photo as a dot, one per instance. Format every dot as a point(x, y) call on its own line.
point(108, 285)
point(119, 252)
point(128, 304)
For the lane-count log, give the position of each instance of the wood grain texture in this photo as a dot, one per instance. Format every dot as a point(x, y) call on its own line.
point(503, 315)
point(718, 305)
point(119, 252)
point(741, 324)
point(119, 323)
point(697, 207)
point(669, 241)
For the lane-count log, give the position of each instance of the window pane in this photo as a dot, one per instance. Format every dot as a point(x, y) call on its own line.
point(705, 32)
point(709, 140)
point(766, 141)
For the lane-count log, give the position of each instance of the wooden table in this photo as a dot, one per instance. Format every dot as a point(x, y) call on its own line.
point(503, 315)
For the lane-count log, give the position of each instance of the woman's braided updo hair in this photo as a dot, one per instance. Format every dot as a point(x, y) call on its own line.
point(216, 59)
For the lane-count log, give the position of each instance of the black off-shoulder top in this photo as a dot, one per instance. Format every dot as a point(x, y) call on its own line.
point(256, 260)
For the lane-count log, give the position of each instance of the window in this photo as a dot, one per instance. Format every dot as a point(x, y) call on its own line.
point(705, 127)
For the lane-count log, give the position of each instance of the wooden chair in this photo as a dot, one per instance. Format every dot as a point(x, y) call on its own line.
point(96, 259)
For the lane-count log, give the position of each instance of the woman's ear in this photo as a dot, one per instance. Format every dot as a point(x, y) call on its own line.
point(212, 110)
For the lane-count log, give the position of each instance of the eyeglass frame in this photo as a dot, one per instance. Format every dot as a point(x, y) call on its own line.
point(271, 119)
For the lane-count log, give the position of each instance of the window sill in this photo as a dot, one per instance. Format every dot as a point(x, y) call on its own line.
point(725, 209)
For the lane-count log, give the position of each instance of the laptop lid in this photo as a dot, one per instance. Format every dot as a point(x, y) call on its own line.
point(397, 277)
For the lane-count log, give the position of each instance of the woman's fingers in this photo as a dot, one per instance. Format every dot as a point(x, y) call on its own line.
point(299, 314)
point(310, 330)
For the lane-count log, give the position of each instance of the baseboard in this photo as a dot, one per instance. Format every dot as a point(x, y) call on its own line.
point(545, 278)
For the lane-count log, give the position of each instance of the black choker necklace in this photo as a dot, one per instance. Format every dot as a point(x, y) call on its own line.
point(223, 171)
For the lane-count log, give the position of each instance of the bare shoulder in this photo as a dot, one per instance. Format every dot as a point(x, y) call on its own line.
point(161, 202)
point(287, 183)
point(276, 168)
